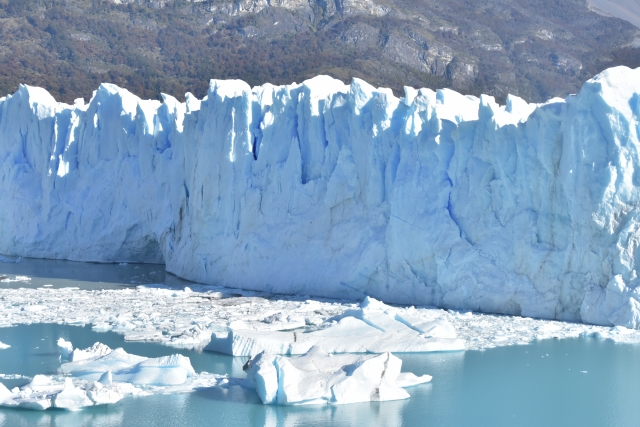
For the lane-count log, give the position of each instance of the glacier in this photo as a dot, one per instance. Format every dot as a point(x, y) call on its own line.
point(342, 191)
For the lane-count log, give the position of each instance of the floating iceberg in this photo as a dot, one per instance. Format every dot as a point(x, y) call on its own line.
point(343, 191)
point(373, 328)
point(100, 376)
point(321, 378)
point(44, 392)
point(105, 376)
point(99, 360)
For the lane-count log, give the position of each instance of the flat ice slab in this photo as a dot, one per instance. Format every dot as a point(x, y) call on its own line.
point(321, 378)
point(373, 328)
point(120, 366)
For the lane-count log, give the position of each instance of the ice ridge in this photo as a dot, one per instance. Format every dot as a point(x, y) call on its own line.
point(337, 190)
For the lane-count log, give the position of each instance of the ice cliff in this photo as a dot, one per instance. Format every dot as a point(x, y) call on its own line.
point(337, 190)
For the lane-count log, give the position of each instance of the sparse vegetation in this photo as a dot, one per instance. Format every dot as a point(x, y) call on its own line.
point(533, 48)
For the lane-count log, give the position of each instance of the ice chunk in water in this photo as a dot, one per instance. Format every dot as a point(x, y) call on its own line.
point(373, 328)
point(65, 348)
point(4, 393)
point(104, 376)
point(161, 371)
point(321, 378)
point(97, 350)
point(71, 397)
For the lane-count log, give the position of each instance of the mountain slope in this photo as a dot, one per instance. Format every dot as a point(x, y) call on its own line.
point(533, 48)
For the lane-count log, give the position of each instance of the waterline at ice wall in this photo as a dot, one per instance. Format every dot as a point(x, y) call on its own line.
point(337, 190)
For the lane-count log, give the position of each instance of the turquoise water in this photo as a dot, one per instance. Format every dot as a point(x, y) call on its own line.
point(534, 385)
point(86, 275)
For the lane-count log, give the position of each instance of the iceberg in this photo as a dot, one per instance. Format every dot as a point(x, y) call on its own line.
point(104, 376)
point(373, 328)
point(107, 376)
point(100, 363)
point(44, 392)
point(342, 191)
point(321, 378)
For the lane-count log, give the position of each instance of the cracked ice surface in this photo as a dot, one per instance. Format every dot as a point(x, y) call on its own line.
point(188, 318)
point(342, 191)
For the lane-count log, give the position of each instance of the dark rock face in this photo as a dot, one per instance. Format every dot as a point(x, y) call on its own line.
point(532, 48)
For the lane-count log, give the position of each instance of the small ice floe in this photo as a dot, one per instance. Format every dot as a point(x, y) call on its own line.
point(99, 375)
point(64, 348)
point(4, 346)
point(6, 279)
point(320, 378)
point(94, 362)
point(372, 328)
point(44, 392)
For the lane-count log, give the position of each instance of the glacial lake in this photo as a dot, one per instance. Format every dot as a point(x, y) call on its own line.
point(585, 382)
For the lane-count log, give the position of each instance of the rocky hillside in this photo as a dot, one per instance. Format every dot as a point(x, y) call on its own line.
point(533, 48)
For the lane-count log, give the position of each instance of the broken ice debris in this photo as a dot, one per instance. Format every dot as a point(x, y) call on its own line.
point(98, 376)
point(321, 378)
point(96, 361)
point(373, 328)
point(45, 392)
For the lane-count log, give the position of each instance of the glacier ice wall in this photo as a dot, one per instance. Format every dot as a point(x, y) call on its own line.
point(337, 190)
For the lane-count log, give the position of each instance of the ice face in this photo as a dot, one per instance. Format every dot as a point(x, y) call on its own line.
point(320, 378)
point(342, 190)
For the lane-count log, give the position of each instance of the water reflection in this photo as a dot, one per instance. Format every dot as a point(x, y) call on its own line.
point(86, 275)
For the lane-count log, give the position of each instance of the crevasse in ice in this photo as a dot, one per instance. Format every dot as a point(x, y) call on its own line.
point(337, 190)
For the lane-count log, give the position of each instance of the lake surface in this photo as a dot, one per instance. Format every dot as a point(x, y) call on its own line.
point(86, 275)
point(585, 382)
point(582, 382)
